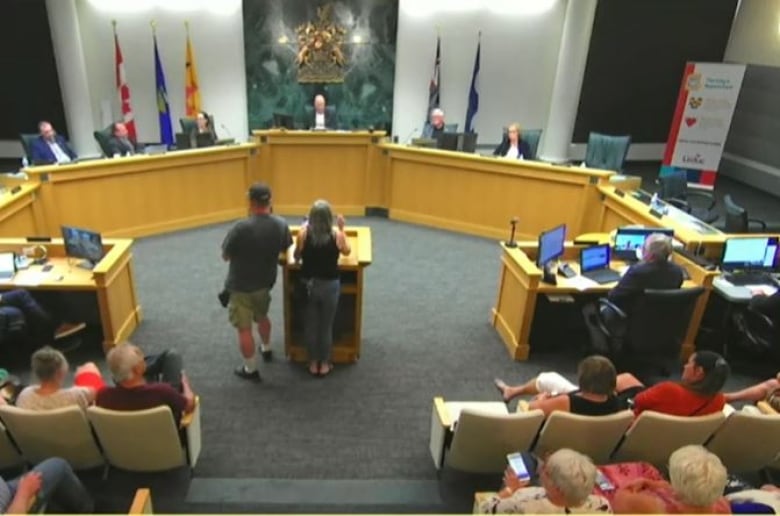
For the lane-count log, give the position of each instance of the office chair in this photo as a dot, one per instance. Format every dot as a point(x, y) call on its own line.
point(757, 330)
point(27, 140)
point(606, 152)
point(652, 335)
point(674, 190)
point(102, 137)
point(531, 137)
point(737, 220)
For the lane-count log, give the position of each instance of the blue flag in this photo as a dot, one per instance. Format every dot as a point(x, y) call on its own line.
point(163, 109)
point(471, 112)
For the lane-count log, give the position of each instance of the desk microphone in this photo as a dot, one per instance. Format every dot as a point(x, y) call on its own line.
point(230, 135)
point(409, 136)
point(511, 242)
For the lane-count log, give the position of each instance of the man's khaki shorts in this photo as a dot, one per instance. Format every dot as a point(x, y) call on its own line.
point(246, 307)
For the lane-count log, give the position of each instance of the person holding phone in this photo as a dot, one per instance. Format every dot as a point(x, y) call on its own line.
point(567, 481)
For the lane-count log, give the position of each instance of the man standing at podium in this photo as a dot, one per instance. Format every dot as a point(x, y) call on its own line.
point(252, 247)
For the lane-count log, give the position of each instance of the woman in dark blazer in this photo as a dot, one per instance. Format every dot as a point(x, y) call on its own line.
point(203, 127)
point(512, 146)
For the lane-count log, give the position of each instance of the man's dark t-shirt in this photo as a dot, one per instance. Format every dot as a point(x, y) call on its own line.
point(253, 246)
point(143, 397)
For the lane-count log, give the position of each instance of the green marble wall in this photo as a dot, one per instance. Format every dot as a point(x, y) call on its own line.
point(364, 99)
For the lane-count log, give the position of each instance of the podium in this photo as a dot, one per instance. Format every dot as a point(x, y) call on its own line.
point(348, 323)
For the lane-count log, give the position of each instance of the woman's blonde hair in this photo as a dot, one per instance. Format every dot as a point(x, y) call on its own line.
point(320, 223)
point(697, 476)
point(573, 475)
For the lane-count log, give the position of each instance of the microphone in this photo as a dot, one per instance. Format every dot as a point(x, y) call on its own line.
point(511, 243)
point(409, 136)
point(230, 135)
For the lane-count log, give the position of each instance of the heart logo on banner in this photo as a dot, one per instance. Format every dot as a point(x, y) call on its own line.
point(690, 121)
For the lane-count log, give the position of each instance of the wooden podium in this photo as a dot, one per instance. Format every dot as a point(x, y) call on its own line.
point(347, 326)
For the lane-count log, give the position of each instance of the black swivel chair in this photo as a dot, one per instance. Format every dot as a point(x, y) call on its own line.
point(653, 334)
point(27, 140)
point(674, 190)
point(737, 220)
point(758, 332)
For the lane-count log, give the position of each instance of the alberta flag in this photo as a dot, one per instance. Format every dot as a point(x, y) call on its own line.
point(471, 112)
point(163, 109)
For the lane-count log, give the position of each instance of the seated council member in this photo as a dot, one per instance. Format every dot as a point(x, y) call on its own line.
point(436, 125)
point(120, 143)
point(512, 145)
point(323, 119)
point(50, 147)
point(203, 130)
point(655, 271)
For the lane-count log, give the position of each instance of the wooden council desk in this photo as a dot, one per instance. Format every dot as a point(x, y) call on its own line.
point(142, 195)
point(112, 280)
point(21, 213)
point(520, 284)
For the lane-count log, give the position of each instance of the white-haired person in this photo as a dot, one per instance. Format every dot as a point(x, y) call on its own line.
point(697, 479)
point(319, 246)
point(50, 368)
point(435, 126)
point(567, 482)
point(146, 382)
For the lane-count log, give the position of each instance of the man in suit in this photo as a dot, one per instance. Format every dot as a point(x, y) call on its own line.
point(50, 147)
point(120, 142)
point(655, 271)
point(324, 118)
point(436, 125)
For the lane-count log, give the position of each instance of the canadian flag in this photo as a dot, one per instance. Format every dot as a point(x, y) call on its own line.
point(124, 91)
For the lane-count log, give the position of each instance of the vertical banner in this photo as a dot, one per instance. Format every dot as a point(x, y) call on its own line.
point(701, 121)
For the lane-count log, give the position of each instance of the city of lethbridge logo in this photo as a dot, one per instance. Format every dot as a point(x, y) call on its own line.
point(694, 82)
point(693, 159)
point(694, 102)
point(690, 121)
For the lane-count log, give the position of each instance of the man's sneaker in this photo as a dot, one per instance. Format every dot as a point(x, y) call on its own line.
point(241, 372)
point(67, 329)
point(267, 355)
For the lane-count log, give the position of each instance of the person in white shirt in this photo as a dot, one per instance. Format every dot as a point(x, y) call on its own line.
point(50, 147)
point(323, 119)
point(512, 146)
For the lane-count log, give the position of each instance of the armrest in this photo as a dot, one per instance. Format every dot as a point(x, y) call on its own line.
point(761, 319)
point(702, 195)
point(758, 222)
point(440, 408)
point(608, 315)
point(523, 406)
point(766, 408)
point(186, 418)
point(479, 498)
point(679, 204)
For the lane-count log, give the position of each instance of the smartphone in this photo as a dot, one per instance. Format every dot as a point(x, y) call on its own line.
point(518, 465)
point(603, 482)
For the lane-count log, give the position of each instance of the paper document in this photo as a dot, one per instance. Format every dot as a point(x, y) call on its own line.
point(581, 283)
point(766, 290)
point(30, 278)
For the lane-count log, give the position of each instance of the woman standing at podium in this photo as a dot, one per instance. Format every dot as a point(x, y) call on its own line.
point(319, 246)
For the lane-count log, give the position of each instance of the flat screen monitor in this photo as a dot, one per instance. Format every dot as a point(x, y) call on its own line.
point(628, 240)
point(447, 141)
point(81, 243)
point(551, 245)
point(283, 121)
point(594, 257)
point(204, 140)
point(749, 253)
point(183, 141)
point(468, 142)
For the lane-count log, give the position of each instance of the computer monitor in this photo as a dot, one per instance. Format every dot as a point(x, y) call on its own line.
point(447, 141)
point(283, 121)
point(750, 253)
point(628, 240)
point(183, 141)
point(204, 140)
point(551, 245)
point(430, 143)
point(468, 142)
point(81, 243)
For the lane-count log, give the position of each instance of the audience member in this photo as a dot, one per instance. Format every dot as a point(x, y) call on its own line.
point(697, 479)
point(595, 395)
point(50, 367)
point(252, 247)
point(435, 127)
point(758, 392)
point(146, 382)
point(567, 481)
point(697, 394)
point(52, 484)
point(755, 501)
point(42, 325)
point(512, 145)
point(50, 147)
point(319, 246)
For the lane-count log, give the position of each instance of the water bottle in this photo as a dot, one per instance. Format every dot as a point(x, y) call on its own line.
point(25, 162)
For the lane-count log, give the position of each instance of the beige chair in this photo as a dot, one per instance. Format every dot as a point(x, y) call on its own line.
point(654, 436)
point(747, 442)
point(479, 498)
point(594, 436)
point(145, 440)
point(9, 455)
point(482, 435)
point(142, 502)
point(62, 432)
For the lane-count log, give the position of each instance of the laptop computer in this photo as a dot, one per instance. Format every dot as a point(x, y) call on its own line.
point(7, 266)
point(594, 264)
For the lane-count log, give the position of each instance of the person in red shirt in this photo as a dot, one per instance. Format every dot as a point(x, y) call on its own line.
point(697, 394)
